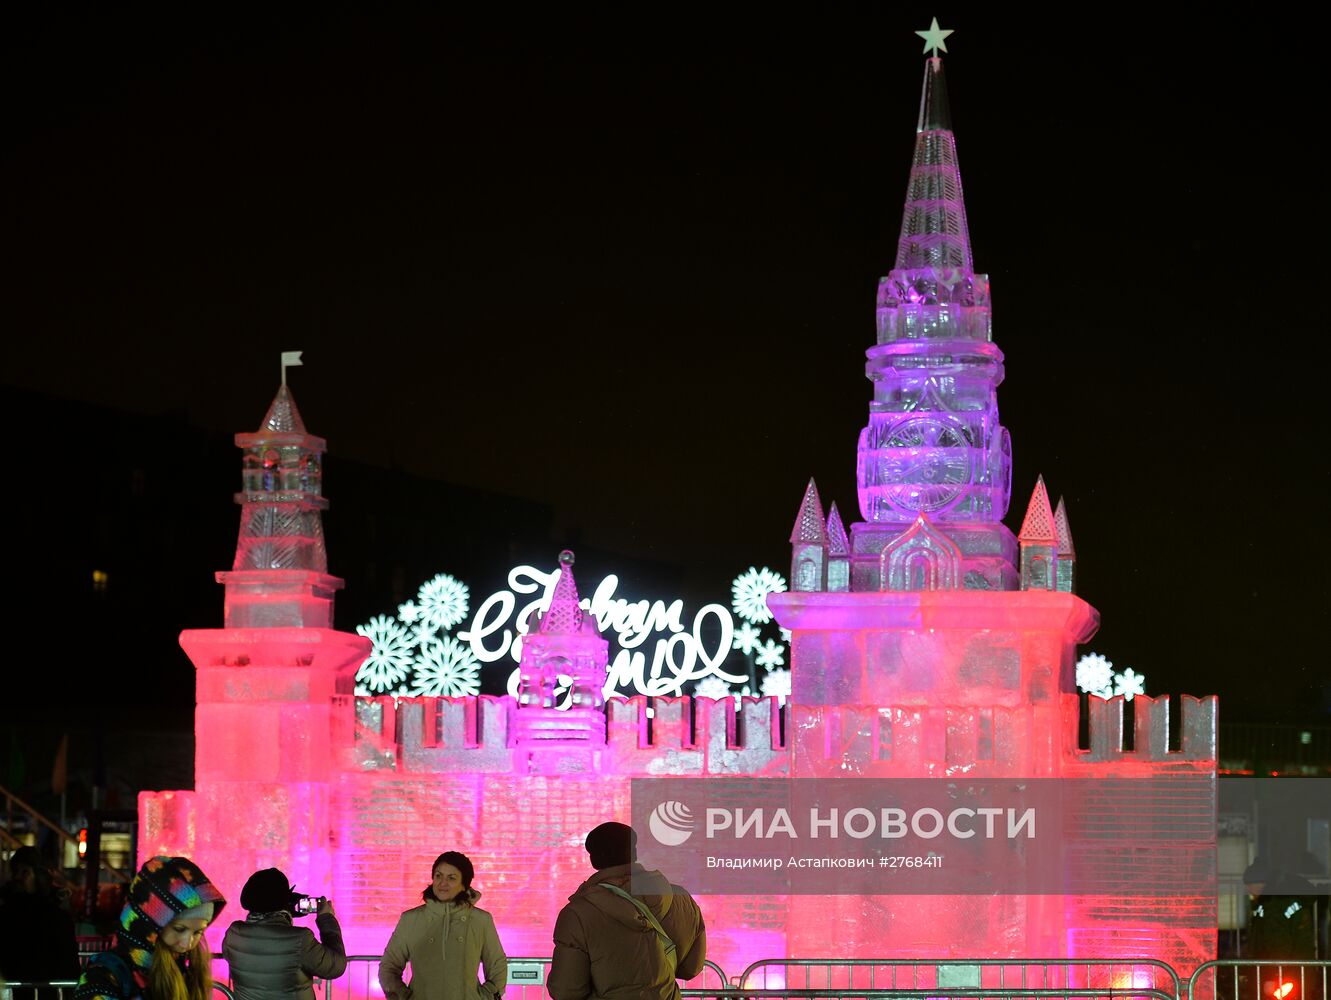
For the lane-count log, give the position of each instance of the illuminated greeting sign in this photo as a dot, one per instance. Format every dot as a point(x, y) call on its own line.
point(662, 649)
point(679, 655)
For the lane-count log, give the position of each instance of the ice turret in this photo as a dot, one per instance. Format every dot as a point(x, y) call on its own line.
point(838, 552)
point(808, 541)
point(1039, 542)
point(934, 445)
point(273, 687)
point(564, 647)
point(280, 573)
point(1067, 555)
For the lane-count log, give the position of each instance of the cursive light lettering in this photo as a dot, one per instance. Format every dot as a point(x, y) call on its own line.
point(679, 657)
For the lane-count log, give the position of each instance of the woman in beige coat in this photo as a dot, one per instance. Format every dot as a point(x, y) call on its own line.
point(445, 940)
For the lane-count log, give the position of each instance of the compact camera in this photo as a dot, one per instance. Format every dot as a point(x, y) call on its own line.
point(304, 905)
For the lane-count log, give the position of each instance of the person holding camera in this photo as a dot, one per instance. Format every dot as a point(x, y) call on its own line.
point(269, 957)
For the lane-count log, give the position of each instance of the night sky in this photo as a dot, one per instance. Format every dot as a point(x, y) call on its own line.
point(625, 264)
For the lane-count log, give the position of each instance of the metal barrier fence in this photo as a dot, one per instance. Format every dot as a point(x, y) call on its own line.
point(725, 993)
point(1254, 979)
point(61, 988)
point(896, 979)
point(986, 974)
point(526, 979)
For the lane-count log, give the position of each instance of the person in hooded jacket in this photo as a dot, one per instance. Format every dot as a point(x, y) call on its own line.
point(444, 940)
point(626, 932)
point(269, 957)
point(158, 952)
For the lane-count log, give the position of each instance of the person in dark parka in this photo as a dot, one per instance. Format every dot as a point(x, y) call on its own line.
point(626, 933)
point(270, 958)
point(36, 935)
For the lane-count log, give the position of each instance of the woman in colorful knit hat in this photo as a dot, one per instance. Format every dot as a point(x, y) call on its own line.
point(159, 952)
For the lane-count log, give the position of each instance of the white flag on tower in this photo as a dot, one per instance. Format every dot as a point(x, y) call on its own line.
point(290, 359)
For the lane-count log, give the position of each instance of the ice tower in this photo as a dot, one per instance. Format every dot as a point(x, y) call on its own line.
point(951, 653)
point(935, 465)
point(267, 681)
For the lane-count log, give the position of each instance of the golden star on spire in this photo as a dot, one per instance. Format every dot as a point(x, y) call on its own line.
point(933, 38)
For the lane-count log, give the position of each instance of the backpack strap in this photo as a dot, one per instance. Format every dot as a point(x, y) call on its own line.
point(666, 942)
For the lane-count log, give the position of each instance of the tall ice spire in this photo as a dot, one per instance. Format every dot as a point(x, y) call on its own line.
point(933, 225)
point(933, 446)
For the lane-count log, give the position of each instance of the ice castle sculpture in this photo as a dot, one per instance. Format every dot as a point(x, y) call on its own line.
point(928, 642)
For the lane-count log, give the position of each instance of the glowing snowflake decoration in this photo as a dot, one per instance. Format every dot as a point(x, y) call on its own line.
point(443, 601)
point(746, 638)
point(1095, 675)
point(408, 613)
point(390, 656)
point(750, 592)
point(711, 687)
point(422, 634)
point(771, 654)
point(787, 635)
point(447, 667)
point(1129, 684)
point(777, 682)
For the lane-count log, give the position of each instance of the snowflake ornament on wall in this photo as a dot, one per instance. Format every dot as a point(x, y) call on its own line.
point(711, 687)
point(1129, 684)
point(777, 683)
point(443, 602)
point(747, 638)
point(447, 668)
point(390, 658)
point(1095, 675)
point(771, 654)
point(750, 592)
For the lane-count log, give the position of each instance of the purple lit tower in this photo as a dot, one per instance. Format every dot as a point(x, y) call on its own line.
point(935, 466)
point(951, 653)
